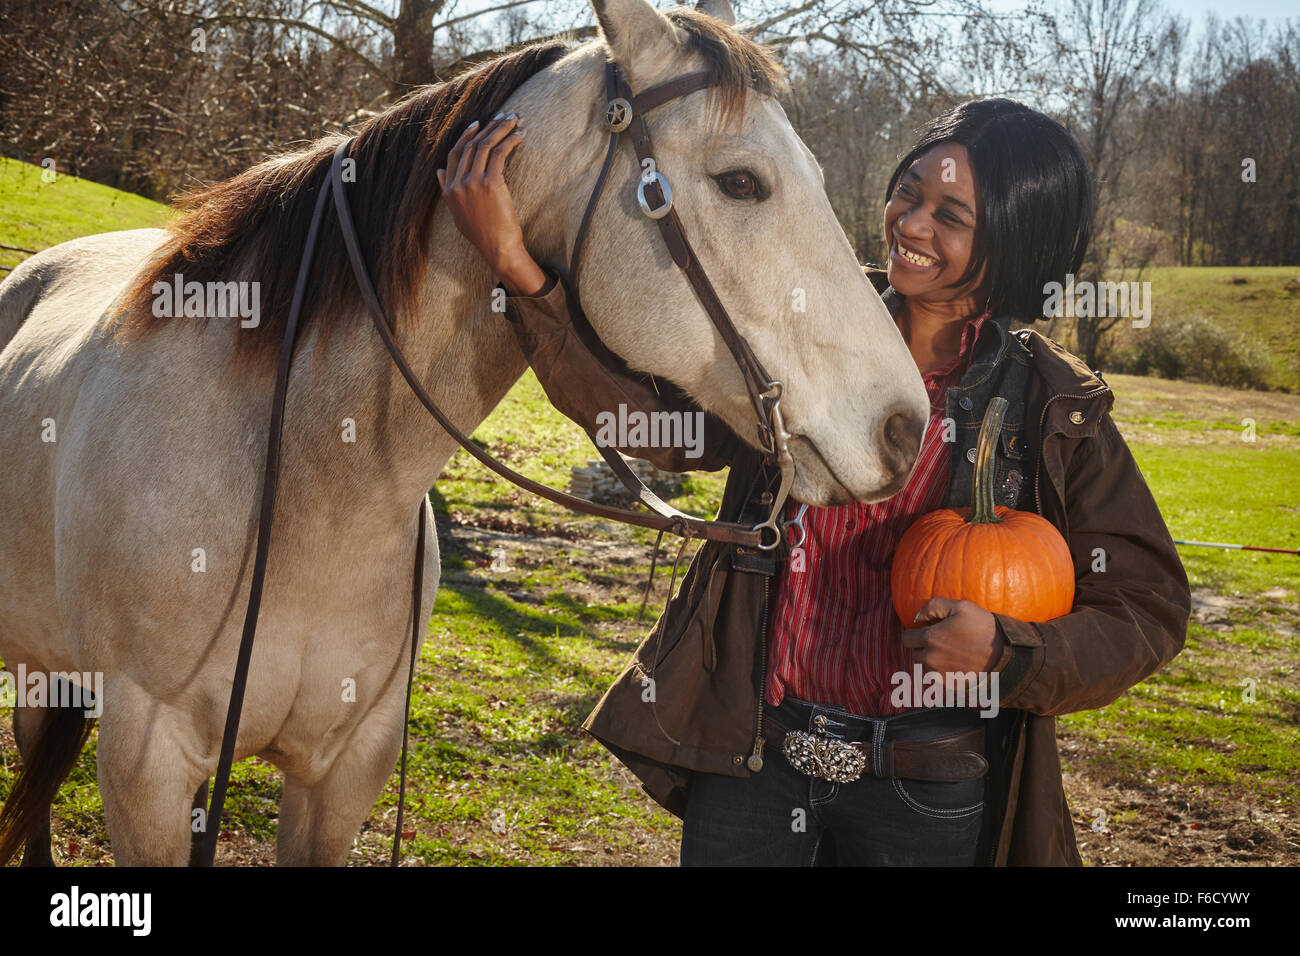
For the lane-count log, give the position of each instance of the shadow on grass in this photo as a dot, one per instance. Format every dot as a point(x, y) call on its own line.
point(529, 630)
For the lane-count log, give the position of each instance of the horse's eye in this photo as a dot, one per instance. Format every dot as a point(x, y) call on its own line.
point(740, 184)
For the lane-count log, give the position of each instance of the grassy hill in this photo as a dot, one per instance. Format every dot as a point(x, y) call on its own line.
point(1254, 302)
point(36, 215)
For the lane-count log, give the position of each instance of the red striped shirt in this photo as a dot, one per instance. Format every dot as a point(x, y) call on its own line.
point(835, 638)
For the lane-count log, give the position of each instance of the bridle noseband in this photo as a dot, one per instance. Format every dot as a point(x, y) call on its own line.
point(624, 112)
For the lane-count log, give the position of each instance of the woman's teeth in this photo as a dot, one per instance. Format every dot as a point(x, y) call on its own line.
point(915, 258)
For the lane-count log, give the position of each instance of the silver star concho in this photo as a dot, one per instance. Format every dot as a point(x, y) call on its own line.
point(618, 115)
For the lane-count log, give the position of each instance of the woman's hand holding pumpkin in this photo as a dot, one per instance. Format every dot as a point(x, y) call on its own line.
point(954, 637)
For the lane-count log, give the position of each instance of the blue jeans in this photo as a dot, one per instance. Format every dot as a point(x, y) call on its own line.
point(781, 817)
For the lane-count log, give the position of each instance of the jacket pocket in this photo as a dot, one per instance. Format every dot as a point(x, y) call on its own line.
point(1012, 441)
point(684, 611)
point(696, 622)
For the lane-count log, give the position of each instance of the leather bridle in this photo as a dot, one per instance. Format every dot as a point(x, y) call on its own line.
point(624, 112)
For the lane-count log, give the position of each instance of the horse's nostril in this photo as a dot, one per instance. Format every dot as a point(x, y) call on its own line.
point(901, 442)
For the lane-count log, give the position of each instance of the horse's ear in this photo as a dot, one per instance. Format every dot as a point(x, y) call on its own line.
point(719, 10)
point(634, 30)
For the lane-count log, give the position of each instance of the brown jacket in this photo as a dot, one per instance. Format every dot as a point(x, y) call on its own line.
point(690, 701)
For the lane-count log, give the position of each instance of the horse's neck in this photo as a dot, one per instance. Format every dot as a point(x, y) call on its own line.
point(460, 348)
point(365, 434)
point(555, 168)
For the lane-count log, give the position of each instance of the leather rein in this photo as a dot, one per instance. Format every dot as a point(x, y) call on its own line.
point(624, 112)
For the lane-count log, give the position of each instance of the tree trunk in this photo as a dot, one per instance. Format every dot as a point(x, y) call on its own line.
point(413, 46)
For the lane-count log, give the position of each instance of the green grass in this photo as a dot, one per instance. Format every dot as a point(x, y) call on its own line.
point(1212, 484)
point(1222, 715)
point(1250, 500)
point(506, 779)
point(36, 215)
point(1261, 309)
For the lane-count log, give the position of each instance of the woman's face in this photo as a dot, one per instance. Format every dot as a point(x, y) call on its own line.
point(930, 226)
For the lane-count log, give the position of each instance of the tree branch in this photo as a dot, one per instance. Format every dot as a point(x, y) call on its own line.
point(754, 29)
point(357, 8)
point(302, 25)
point(474, 16)
point(464, 63)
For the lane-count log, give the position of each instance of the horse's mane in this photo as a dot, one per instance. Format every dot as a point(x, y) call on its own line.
point(254, 224)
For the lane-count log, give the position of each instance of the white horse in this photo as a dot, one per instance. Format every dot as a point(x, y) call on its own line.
point(126, 452)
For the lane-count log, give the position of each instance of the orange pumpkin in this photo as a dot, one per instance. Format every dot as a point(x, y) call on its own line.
point(1006, 561)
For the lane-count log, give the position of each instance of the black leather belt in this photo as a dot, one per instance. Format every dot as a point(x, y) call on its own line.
point(952, 757)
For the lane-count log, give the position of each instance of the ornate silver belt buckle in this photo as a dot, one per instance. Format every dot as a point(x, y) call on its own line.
point(823, 757)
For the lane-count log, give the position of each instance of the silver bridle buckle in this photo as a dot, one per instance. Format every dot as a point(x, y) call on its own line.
point(823, 757)
point(618, 115)
point(655, 212)
point(796, 523)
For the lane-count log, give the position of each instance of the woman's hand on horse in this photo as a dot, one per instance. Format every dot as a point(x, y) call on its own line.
point(475, 191)
point(954, 637)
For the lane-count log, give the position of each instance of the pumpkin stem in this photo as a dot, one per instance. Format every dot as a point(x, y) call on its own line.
point(981, 491)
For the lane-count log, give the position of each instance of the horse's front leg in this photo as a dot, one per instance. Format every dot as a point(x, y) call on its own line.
point(146, 780)
point(322, 812)
point(323, 808)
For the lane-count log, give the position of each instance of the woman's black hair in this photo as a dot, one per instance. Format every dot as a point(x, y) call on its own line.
point(1034, 193)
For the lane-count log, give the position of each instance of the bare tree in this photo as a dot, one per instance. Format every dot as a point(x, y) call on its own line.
point(1109, 57)
point(153, 95)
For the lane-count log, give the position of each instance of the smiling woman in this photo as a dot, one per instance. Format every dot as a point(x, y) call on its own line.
point(1016, 173)
point(763, 708)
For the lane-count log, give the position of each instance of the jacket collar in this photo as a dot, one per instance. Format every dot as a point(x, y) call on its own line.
point(1064, 373)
